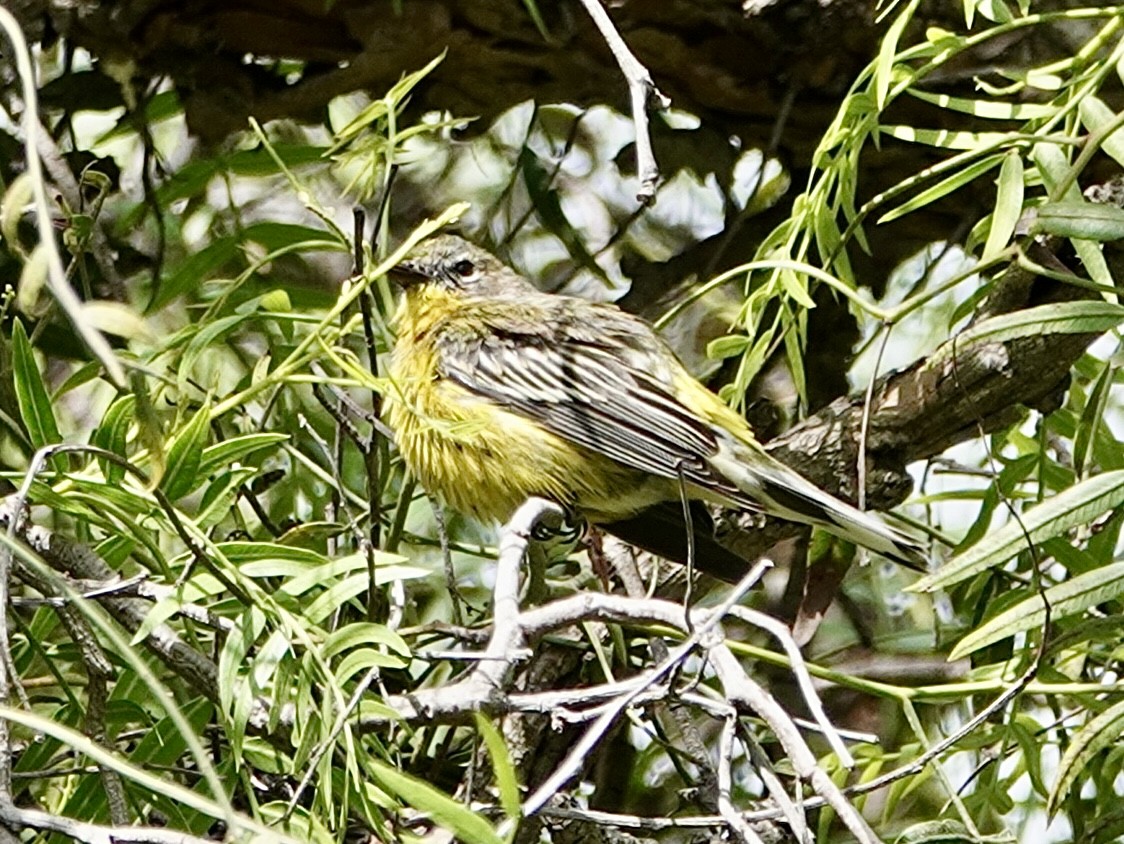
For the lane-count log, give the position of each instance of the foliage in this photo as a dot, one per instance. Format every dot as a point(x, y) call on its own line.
point(224, 574)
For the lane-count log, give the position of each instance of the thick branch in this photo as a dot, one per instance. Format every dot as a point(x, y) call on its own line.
point(955, 394)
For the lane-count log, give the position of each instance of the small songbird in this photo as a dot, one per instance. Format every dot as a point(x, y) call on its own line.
point(501, 392)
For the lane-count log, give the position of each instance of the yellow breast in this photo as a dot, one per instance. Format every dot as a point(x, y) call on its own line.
point(485, 461)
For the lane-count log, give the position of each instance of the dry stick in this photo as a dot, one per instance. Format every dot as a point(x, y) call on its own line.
point(726, 808)
point(99, 671)
point(864, 427)
point(576, 758)
point(14, 817)
point(371, 452)
point(642, 93)
point(447, 559)
point(743, 691)
point(781, 633)
point(763, 767)
point(341, 721)
point(629, 573)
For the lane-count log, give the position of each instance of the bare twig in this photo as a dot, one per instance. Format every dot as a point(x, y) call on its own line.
point(15, 817)
point(737, 824)
point(643, 94)
point(574, 760)
point(781, 633)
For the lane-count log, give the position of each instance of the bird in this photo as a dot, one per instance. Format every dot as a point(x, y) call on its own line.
point(500, 392)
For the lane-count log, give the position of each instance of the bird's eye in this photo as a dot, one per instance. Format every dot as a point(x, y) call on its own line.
point(464, 269)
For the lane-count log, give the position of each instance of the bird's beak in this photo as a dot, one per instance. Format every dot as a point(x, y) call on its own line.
point(407, 273)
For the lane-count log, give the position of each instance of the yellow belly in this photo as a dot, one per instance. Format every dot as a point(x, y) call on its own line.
point(485, 461)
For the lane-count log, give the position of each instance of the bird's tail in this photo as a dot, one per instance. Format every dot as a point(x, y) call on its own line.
point(782, 492)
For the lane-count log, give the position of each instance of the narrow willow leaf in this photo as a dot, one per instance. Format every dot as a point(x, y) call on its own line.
point(726, 346)
point(116, 318)
point(1077, 505)
point(1008, 205)
point(1092, 258)
point(938, 832)
point(942, 188)
point(454, 816)
point(388, 567)
point(232, 659)
point(1091, 417)
point(363, 633)
point(215, 331)
point(12, 206)
point(1053, 167)
point(945, 138)
point(33, 278)
point(506, 781)
point(31, 395)
point(1085, 220)
point(1067, 598)
point(1102, 732)
point(196, 269)
point(112, 435)
point(1085, 317)
point(288, 559)
point(1095, 115)
point(185, 453)
point(986, 109)
point(363, 660)
point(223, 454)
point(887, 52)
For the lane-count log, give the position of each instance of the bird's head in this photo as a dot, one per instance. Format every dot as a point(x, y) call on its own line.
point(451, 265)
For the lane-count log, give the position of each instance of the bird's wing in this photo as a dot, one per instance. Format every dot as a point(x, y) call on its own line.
point(577, 387)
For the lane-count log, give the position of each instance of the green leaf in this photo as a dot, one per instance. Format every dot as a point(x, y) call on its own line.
point(506, 781)
point(943, 187)
point(1090, 424)
point(1084, 317)
point(1067, 598)
point(937, 832)
point(208, 333)
point(194, 271)
point(887, 52)
point(1097, 116)
point(363, 633)
point(112, 435)
point(1077, 505)
point(726, 346)
point(454, 816)
point(185, 455)
point(1079, 219)
point(987, 109)
point(223, 454)
point(31, 395)
point(388, 567)
point(1102, 732)
point(1008, 205)
point(364, 659)
point(271, 559)
point(276, 236)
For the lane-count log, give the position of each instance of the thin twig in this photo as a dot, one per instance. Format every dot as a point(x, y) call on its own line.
point(737, 824)
point(328, 743)
point(803, 679)
point(15, 817)
point(576, 757)
point(643, 94)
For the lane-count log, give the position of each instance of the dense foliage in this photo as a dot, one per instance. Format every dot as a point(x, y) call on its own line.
point(227, 610)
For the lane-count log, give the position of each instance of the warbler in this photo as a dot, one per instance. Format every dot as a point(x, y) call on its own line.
point(501, 392)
